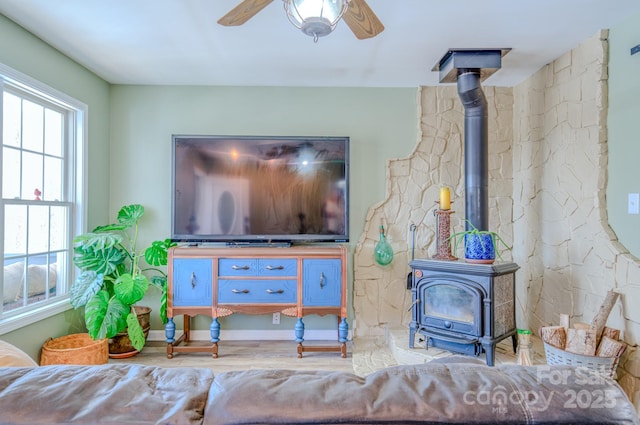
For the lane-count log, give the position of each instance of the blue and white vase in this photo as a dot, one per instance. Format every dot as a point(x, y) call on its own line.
point(479, 248)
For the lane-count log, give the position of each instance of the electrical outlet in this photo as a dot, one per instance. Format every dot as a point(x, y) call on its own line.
point(276, 319)
point(634, 203)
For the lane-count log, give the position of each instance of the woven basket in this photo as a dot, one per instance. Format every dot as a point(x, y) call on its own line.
point(604, 365)
point(78, 349)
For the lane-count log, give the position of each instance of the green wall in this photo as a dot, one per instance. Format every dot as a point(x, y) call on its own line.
point(381, 124)
point(623, 132)
point(130, 130)
point(27, 54)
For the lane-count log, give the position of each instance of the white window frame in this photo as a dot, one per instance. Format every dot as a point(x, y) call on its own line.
point(76, 168)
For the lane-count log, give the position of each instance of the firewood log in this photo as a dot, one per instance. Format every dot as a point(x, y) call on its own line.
point(581, 325)
point(581, 341)
point(554, 335)
point(612, 333)
point(564, 321)
point(610, 347)
point(600, 319)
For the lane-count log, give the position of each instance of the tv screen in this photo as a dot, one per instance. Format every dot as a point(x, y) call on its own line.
point(239, 189)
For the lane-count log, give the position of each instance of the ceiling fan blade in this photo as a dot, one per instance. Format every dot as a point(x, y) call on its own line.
point(243, 12)
point(361, 20)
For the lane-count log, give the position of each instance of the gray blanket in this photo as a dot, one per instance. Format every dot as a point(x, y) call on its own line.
point(426, 394)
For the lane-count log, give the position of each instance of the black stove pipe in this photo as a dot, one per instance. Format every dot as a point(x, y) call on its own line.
point(476, 146)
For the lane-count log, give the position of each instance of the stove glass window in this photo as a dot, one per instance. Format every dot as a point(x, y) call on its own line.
point(449, 302)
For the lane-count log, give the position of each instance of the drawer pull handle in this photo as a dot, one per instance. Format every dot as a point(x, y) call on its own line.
point(234, 267)
point(277, 291)
point(193, 280)
point(275, 268)
point(321, 280)
point(240, 291)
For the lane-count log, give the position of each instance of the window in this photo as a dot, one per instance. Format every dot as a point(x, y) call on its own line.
point(42, 191)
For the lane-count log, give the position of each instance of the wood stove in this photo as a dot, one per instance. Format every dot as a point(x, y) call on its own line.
point(460, 307)
point(464, 308)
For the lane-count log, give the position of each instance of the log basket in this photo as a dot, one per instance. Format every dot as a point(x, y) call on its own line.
point(77, 349)
point(606, 366)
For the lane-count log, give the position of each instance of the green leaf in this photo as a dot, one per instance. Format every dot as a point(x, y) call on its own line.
point(163, 308)
point(110, 228)
point(97, 240)
point(104, 260)
point(135, 331)
point(156, 254)
point(105, 316)
point(129, 289)
point(130, 214)
point(163, 305)
point(87, 284)
point(160, 282)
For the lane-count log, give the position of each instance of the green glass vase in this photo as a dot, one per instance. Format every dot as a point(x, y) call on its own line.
point(383, 252)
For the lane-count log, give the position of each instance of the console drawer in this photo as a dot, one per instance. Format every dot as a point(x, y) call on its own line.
point(237, 267)
point(277, 267)
point(257, 267)
point(256, 291)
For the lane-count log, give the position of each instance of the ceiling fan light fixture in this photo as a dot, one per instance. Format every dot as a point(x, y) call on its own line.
point(315, 18)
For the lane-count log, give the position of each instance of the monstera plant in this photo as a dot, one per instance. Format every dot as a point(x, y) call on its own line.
point(116, 275)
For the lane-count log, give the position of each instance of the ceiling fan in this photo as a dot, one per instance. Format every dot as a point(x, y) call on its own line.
point(356, 13)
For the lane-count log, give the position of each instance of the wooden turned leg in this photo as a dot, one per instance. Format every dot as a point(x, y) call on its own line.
point(187, 327)
point(170, 334)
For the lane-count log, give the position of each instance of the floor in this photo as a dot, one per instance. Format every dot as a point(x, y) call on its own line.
point(364, 355)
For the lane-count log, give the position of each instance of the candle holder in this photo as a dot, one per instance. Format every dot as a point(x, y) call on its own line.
point(443, 224)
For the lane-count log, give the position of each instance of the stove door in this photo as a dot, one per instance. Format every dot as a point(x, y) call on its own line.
point(451, 306)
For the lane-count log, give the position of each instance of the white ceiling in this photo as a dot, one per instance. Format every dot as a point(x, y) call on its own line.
point(179, 41)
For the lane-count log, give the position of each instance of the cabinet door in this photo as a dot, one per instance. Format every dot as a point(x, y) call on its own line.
point(192, 284)
point(322, 284)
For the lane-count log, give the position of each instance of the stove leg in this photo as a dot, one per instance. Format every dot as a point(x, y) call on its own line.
point(412, 335)
point(514, 341)
point(490, 351)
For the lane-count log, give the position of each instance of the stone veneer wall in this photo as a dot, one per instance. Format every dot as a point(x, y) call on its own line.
point(568, 254)
point(560, 160)
point(380, 295)
point(548, 161)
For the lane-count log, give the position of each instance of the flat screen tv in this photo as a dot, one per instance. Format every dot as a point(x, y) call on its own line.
point(248, 189)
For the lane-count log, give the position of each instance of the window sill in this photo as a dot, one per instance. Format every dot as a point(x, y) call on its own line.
point(35, 315)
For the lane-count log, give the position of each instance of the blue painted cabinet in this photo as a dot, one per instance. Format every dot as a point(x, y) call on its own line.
point(296, 281)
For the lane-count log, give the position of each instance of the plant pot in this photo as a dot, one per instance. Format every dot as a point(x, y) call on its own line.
point(479, 248)
point(120, 345)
